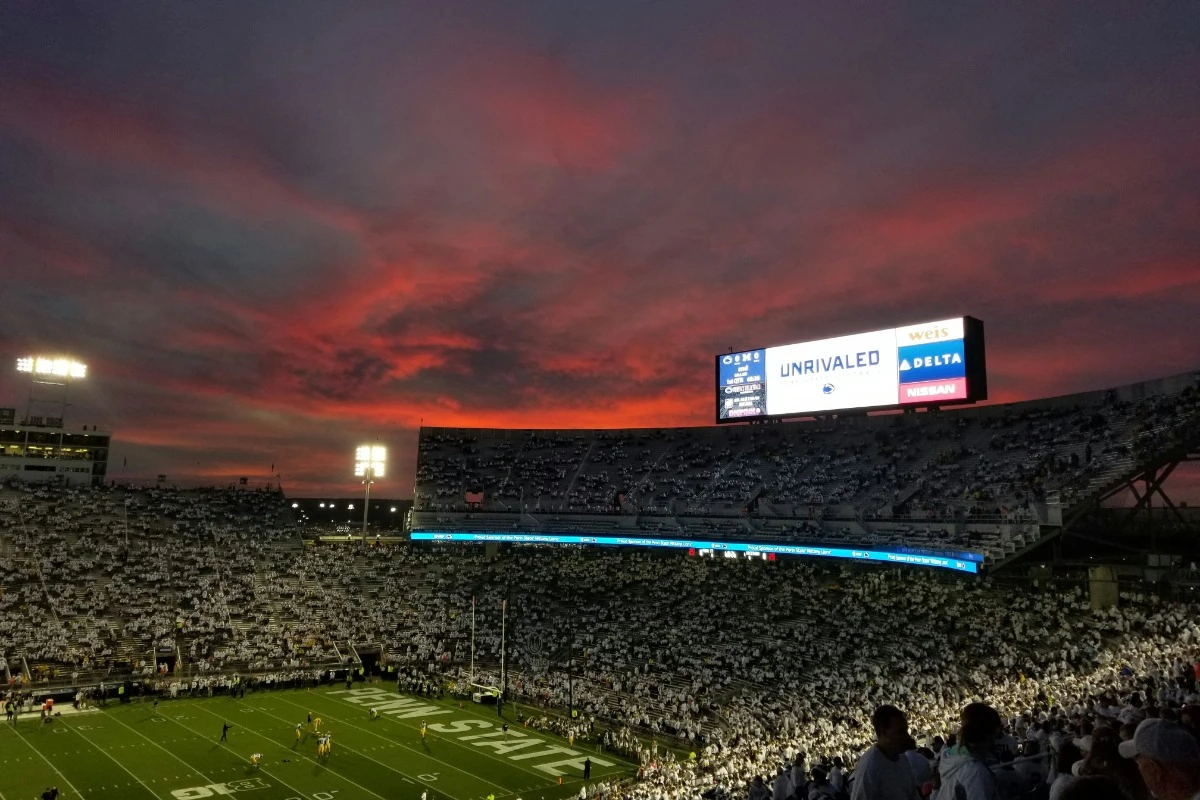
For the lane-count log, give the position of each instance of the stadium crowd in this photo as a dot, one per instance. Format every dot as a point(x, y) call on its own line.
point(749, 664)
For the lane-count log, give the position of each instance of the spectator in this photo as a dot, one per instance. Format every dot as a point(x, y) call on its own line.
point(964, 772)
point(1064, 776)
point(1104, 760)
point(883, 772)
point(1168, 759)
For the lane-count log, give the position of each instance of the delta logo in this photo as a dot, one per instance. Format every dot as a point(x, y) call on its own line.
point(937, 361)
point(925, 362)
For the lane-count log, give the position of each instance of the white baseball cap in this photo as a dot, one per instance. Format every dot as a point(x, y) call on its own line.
point(1162, 740)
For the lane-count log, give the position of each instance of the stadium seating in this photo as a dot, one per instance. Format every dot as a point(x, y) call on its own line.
point(978, 478)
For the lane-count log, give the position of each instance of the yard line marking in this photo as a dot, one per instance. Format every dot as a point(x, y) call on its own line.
point(160, 747)
point(293, 752)
point(487, 781)
point(109, 756)
point(39, 752)
point(404, 775)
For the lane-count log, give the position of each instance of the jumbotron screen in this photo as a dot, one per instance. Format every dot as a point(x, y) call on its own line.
point(927, 364)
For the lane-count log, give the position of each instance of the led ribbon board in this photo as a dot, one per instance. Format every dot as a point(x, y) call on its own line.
point(932, 363)
point(969, 562)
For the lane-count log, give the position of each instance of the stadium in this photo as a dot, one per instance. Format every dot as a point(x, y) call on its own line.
point(669, 612)
point(528, 400)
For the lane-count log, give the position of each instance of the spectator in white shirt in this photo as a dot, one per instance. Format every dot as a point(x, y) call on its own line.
point(883, 772)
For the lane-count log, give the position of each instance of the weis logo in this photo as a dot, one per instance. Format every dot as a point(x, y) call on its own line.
point(929, 334)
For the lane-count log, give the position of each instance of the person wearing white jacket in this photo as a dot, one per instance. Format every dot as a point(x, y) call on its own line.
point(963, 772)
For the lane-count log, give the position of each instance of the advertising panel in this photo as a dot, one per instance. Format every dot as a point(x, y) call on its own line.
point(929, 363)
point(846, 372)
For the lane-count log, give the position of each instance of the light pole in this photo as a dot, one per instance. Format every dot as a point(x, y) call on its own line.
point(369, 463)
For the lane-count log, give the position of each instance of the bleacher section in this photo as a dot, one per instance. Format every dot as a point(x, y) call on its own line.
point(98, 579)
point(988, 479)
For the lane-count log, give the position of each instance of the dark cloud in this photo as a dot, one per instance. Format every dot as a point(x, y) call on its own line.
point(275, 230)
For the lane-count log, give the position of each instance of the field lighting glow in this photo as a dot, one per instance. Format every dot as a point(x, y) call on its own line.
point(370, 458)
point(46, 365)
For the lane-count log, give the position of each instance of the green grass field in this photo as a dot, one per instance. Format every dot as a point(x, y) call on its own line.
point(132, 751)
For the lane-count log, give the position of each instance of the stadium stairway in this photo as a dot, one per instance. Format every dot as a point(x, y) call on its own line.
point(1121, 470)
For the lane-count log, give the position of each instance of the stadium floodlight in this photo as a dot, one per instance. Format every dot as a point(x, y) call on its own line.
point(49, 383)
point(370, 462)
point(52, 366)
point(370, 458)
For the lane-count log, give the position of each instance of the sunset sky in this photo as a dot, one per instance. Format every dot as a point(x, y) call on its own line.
point(274, 229)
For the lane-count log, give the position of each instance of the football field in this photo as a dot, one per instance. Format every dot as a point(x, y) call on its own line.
point(134, 751)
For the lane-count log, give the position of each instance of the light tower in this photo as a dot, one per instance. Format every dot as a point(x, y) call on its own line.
point(370, 462)
point(49, 379)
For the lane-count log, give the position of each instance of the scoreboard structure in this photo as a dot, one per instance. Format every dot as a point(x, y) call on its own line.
point(926, 364)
